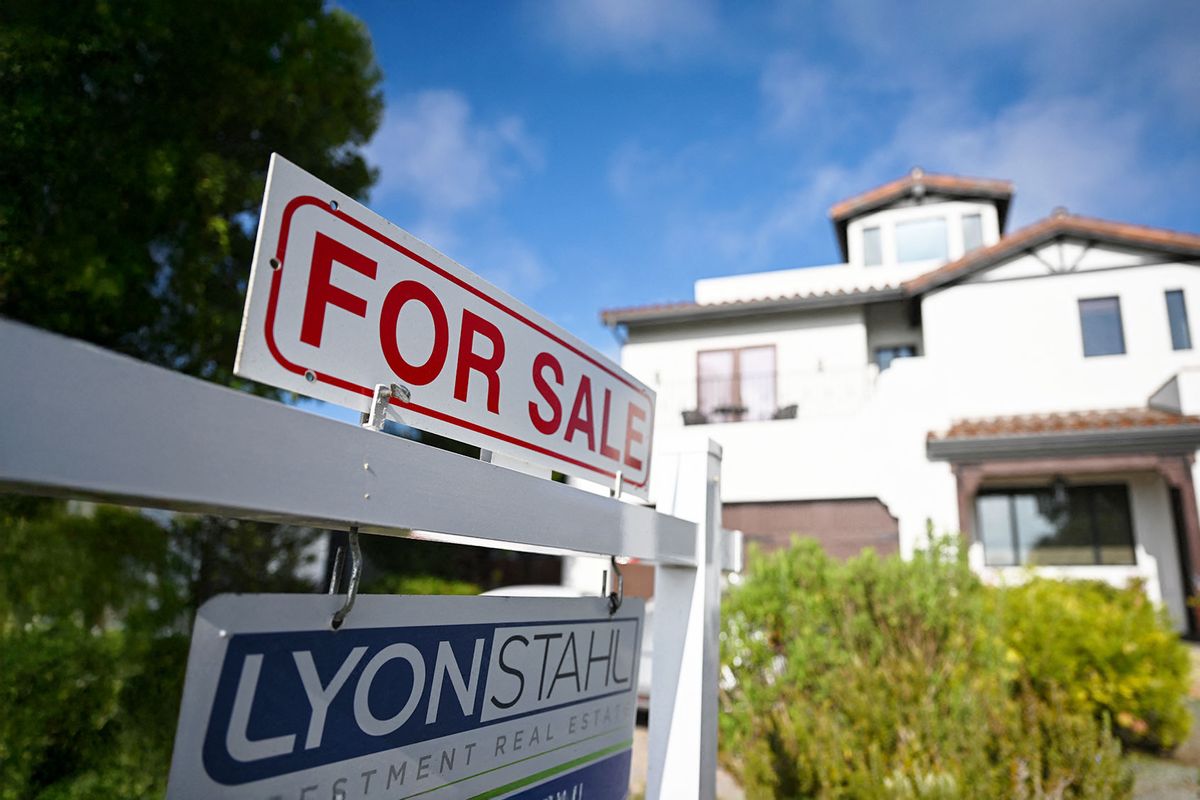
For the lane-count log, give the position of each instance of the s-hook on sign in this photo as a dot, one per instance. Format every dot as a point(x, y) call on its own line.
point(476, 698)
point(340, 301)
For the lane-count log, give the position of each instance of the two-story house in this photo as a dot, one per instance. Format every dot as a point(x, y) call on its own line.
point(1033, 389)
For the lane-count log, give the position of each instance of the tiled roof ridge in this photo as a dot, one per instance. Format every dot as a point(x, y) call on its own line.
point(1059, 223)
point(779, 298)
point(1061, 422)
point(918, 178)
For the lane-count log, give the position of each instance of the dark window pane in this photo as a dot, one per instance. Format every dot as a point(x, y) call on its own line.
point(921, 240)
point(1114, 528)
point(1181, 335)
point(1100, 320)
point(1083, 526)
point(884, 356)
point(995, 530)
point(972, 231)
point(1068, 540)
point(872, 247)
point(1051, 532)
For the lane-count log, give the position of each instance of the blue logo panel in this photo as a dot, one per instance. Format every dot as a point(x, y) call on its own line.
point(292, 701)
point(607, 779)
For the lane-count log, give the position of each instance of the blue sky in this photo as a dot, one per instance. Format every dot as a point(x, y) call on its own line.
point(586, 154)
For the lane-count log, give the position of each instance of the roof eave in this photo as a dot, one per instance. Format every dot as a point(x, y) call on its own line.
point(712, 311)
point(1159, 440)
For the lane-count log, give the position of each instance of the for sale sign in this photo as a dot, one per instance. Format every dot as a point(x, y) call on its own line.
point(340, 300)
point(432, 697)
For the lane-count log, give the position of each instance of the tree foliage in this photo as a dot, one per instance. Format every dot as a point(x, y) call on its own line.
point(95, 613)
point(134, 142)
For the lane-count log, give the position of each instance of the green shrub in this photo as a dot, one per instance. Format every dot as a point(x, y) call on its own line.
point(1110, 650)
point(421, 584)
point(883, 678)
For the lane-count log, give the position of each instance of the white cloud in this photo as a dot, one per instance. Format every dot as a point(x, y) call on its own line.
point(795, 94)
point(632, 31)
point(1073, 151)
point(757, 237)
point(1051, 96)
point(431, 150)
point(640, 173)
point(513, 266)
point(433, 153)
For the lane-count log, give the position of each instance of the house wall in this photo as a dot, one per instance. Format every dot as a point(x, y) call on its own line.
point(1015, 346)
point(819, 357)
point(1006, 341)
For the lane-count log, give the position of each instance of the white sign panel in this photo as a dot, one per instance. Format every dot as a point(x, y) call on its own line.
point(436, 697)
point(341, 300)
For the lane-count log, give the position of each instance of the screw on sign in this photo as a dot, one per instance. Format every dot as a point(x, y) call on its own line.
point(347, 301)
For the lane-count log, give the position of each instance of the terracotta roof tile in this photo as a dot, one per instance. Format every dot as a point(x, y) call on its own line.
point(1070, 422)
point(1048, 229)
point(1058, 225)
point(611, 316)
point(917, 180)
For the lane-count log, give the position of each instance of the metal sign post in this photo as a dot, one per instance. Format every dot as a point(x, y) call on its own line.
point(215, 450)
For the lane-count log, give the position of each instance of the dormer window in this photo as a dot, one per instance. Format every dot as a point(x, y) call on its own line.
point(972, 231)
point(921, 240)
point(920, 219)
point(872, 247)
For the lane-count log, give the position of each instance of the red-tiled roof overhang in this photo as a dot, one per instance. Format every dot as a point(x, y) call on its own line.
point(682, 312)
point(1033, 424)
point(1060, 225)
point(1079, 432)
point(915, 182)
point(919, 183)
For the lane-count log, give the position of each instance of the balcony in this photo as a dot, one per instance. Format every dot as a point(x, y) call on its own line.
point(765, 397)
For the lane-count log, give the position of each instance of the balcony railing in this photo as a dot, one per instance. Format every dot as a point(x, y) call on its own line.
point(778, 395)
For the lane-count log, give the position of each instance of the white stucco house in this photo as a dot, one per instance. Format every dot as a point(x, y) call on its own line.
point(1035, 389)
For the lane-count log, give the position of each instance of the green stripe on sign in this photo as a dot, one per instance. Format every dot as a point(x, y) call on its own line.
point(552, 771)
point(506, 766)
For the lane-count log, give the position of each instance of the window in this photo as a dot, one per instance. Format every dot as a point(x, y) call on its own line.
point(884, 356)
point(1100, 321)
point(1075, 526)
point(1181, 336)
point(736, 385)
point(972, 231)
point(872, 247)
point(921, 240)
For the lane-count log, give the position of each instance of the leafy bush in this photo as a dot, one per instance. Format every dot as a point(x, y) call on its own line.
point(421, 584)
point(881, 678)
point(1110, 650)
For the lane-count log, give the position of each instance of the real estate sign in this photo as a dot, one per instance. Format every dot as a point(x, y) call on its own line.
point(340, 300)
point(431, 697)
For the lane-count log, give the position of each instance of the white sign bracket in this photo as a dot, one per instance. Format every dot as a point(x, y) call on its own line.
point(380, 401)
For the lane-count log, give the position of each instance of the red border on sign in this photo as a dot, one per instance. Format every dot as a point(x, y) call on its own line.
point(324, 377)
